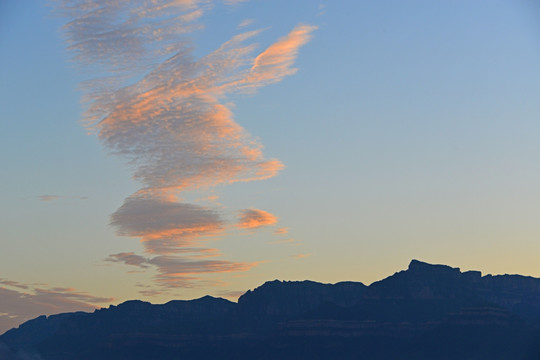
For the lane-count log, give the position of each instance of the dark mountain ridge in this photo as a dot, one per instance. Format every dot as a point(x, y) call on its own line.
point(424, 312)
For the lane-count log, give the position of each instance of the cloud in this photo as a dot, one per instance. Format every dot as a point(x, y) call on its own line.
point(150, 292)
point(170, 124)
point(276, 62)
point(128, 258)
point(282, 231)
point(178, 266)
point(56, 197)
point(301, 256)
point(21, 302)
point(181, 270)
point(255, 218)
point(234, 2)
point(322, 9)
point(246, 22)
point(48, 197)
point(150, 217)
point(289, 241)
point(165, 111)
point(11, 283)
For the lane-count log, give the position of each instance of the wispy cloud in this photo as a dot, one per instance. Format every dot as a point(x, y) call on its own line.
point(11, 283)
point(282, 231)
point(166, 113)
point(255, 218)
point(174, 270)
point(128, 258)
point(289, 241)
point(48, 197)
point(165, 226)
point(246, 22)
point(57, 197)
point(301, 256)
point(21, 302)
point(234, 2)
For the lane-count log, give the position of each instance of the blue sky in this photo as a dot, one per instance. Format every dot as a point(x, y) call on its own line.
point(408, 131)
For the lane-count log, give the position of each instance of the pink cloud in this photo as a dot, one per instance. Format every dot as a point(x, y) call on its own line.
point(255, 218)
point(149, 218)
point(166, 113)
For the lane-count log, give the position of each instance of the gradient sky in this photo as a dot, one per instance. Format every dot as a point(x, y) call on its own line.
point(204, 147)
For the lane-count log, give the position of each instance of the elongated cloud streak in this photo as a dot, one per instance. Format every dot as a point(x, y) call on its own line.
point(21, 302)
point(163, 110)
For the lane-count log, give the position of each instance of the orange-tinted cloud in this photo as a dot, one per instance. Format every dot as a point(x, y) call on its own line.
point(282, 231)
point(301, 256)
point(255, 218)
point(174, 270)
point(165, 112)
point(179, 266)
point(148, 217)
point(170, 124)
point(167, 227)
point(277, 61)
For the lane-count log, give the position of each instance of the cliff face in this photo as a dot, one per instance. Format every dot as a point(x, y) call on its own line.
point(282, 299)
point(424, 312)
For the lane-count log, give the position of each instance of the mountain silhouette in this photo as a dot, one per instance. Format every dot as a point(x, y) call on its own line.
point(424, 312)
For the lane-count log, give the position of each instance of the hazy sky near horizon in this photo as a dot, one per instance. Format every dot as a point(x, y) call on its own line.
point(204, 147)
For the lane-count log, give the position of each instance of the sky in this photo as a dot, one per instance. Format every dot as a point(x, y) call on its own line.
point(162, 150)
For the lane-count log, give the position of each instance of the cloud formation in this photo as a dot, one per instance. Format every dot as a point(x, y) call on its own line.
point(245, 22)
point(255, 218)
point(301, 256)
point(21, 302)
point(48, 197)
point(165, 112)
point(165, 226)
point(282, 231)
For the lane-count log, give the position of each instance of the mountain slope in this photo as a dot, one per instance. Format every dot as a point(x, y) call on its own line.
point(424, 312)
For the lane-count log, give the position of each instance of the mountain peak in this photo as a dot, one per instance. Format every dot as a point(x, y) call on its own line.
point(420, 266)
point(424, 308)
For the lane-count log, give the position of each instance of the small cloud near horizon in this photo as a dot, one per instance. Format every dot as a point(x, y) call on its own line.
point(21, 302)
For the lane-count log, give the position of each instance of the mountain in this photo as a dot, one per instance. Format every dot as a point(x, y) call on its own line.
point(424, 312)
